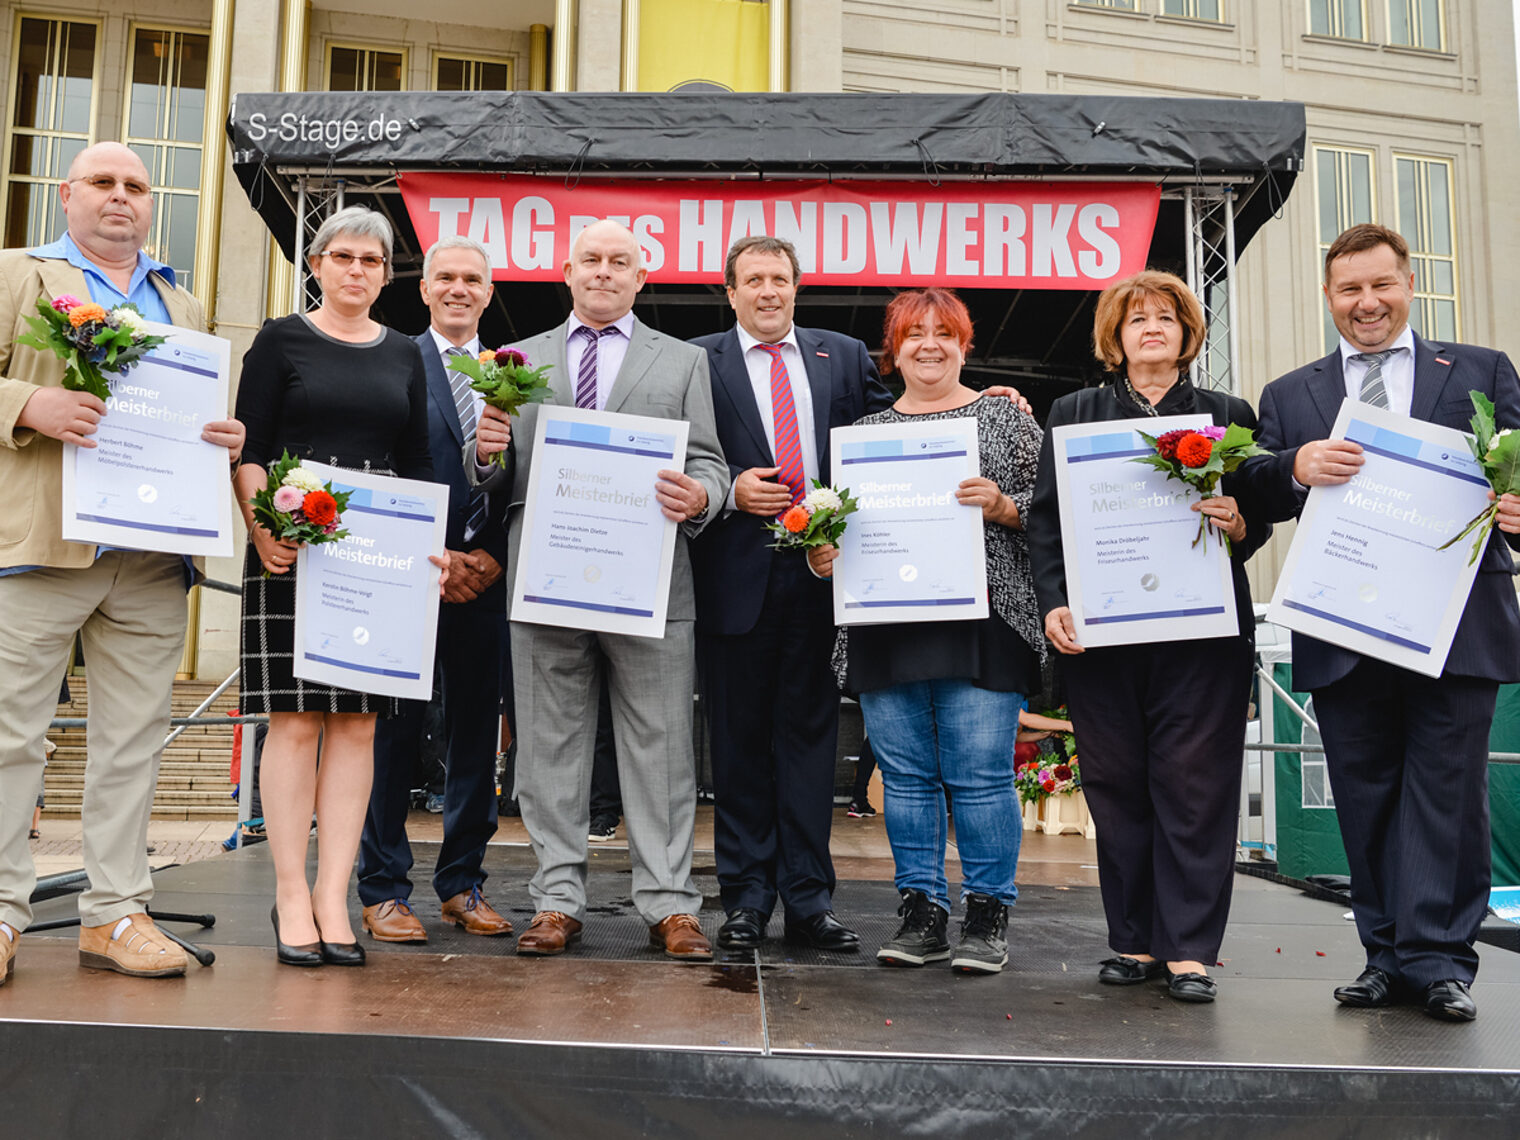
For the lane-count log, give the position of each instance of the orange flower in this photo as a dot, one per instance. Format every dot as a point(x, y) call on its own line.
point(796, 519)
point(320, 508)
point(84, 314)
point(1193, 450)
point(487, 356)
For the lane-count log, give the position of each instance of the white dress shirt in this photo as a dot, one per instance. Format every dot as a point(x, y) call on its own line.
point(610, 352)
point(757, 363)
point(1398, 372)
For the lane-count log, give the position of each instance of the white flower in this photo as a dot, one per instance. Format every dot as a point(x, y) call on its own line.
point(302, 479)
point(1493, 444)
point(125, 318)
point(822, 499)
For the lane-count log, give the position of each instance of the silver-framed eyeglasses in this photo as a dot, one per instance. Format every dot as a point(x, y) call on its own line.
point(105, 184)
point(343, 259)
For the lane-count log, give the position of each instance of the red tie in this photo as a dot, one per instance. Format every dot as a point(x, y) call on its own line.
point(784, 422)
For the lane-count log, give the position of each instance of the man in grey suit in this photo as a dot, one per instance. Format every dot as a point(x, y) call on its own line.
point(603, 357)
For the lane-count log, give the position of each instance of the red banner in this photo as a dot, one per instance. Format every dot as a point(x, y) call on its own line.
point(1003, 235)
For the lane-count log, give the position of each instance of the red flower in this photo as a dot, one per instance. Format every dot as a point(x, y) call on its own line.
point(1193, 450)
point(1063, 771)
point(796, 519)
point(1166, 444)
point(506, 356)
point(1049, 786)
point(320, 508)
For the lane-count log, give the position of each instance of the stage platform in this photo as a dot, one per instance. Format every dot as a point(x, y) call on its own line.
point(461, 1038)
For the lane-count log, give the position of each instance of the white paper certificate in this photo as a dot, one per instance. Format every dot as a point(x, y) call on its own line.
point(151, 482)
point(367, 605)
point(911, 552)
point(1132, 571)
point(596, 549)
point(1363, 571)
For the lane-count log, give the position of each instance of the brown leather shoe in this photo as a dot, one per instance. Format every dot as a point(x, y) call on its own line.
point(680, 936)
point(470, 911)
point(7, 956)
point(393, 921)
point(142, 951)
point(549, 933)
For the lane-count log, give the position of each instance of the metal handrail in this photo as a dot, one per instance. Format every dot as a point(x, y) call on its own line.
point(202, 707)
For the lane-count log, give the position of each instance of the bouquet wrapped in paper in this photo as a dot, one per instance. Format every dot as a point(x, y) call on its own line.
point(1199, 457)
point(295, 504)
point(816, 521)
point(505, 379)
point(90, 340)
point(1498, 453)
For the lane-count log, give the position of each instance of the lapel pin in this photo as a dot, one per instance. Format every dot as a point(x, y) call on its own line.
point(1443, 360)
point(822, 354)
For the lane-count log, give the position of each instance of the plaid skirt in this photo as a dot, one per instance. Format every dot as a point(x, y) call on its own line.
point(268, 682)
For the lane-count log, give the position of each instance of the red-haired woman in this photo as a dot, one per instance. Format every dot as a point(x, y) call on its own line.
point(1161, 724)
point(942, 699)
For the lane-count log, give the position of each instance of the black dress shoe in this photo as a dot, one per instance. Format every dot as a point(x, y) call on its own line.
point(744, 929)
point(308, 955)
point(1372, 989)
point(1122, 971)
point(1190, 987)
point(822, 931)
point(1450, 1001)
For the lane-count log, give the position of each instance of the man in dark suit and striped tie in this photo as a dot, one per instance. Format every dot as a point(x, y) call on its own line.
point(1407, 754)
point(456, 286)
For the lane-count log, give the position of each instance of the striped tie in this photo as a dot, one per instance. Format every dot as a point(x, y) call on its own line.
point(1374, 391)
point(784, 423)
point(585, 378)
point(464, 405)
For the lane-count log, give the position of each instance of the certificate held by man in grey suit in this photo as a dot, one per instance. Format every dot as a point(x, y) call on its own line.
point(596, 548)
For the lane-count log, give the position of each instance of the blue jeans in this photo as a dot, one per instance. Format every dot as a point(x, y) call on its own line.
point(933, 737)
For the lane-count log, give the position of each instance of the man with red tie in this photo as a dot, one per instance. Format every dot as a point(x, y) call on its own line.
point(765, 625)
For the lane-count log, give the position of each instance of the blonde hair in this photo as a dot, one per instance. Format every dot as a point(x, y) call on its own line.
point(1115, 302)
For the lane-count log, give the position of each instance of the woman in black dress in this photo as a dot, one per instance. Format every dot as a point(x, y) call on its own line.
point(1160, 725)
point(336, 387)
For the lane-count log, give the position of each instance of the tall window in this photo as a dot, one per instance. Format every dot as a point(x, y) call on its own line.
point(355, 68)
point(1416, 23)
point(471, 73)
point(1424, 204)
point(1345, 196)
point(1346, 19)
point(165, 117)
point(1125, 5)
point(52, 119)
point(1194, 9)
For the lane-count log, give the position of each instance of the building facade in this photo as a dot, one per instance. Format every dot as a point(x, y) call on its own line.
point(1411, 108)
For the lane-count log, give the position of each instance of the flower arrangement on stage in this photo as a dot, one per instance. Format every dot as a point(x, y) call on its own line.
point(1498, 453)
point(1198, 457)
point(816, 521)
point(505, 379)
point(295, 504)
point(90, 340)
point(1048, 766)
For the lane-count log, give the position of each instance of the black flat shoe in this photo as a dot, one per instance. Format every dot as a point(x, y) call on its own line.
point(744, 929)
point(1122, 971)
point(1190, 987)
point(822, 931)
point(308, 955)
point(1372, 989)
point(1450, 1001)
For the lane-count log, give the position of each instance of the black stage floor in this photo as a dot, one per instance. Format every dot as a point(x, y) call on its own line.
point(462, 1038)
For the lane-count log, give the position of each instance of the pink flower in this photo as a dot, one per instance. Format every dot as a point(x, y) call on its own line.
point(1212, 432)
point(330, 528)
point(288, 499)
point(66, 301)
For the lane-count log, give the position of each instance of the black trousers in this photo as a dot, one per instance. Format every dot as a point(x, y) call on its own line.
point(1408, 761)
point(1159, 731)
point(773, 709)
point(470, 635)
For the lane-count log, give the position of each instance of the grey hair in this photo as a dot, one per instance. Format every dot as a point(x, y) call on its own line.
point(456, 241)
point(357, 221)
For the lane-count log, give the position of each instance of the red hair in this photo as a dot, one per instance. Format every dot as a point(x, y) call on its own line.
point(912, 307)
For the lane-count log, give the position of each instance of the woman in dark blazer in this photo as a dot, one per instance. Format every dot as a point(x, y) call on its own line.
point(1160, 724)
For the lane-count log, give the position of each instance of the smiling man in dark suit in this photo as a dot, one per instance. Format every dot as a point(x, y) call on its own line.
point(1407, 754)
point(456, 287)
point(765, 624)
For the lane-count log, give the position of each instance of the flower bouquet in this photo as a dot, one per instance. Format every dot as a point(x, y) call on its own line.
point(296, 504)
point(1047, 767)
point(1498, 453)
point(505, 379)
point(816, 521)
point(1198, 457)
point(90, 340)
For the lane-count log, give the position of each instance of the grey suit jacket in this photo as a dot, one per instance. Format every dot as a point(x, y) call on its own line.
point(661, 377)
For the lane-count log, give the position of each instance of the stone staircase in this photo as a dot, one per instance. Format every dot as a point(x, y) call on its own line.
point(193, 779)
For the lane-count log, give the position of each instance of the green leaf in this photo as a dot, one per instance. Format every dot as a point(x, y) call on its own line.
point(1482, 421)
point(1502, 463)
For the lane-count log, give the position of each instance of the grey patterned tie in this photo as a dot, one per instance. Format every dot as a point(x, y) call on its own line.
point(1374, 391)
point(464, 405)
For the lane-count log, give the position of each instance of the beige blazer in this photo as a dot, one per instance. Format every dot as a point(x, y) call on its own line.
point(31, 465)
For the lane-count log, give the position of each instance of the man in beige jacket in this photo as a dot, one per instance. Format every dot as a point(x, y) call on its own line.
point(128, 606)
